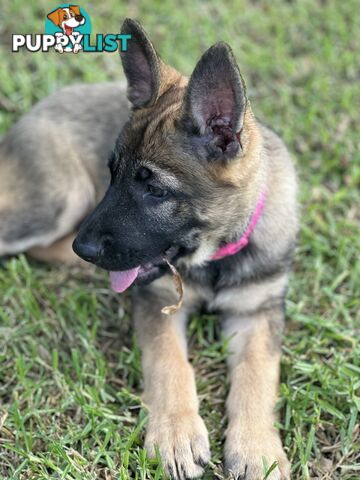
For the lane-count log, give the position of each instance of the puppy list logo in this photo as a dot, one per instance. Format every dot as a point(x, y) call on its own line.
point(68, 29)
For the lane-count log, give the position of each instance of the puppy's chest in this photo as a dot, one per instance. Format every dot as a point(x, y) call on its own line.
point(221, 274)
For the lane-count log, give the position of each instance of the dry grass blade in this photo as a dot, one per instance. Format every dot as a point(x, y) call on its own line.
point(171, 309)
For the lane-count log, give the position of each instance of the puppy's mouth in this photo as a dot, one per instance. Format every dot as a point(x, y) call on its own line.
point(68, 30)
point(122, 280)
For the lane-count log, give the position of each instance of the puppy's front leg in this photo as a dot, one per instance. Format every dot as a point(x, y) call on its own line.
point(170, 392)
point(254, 368)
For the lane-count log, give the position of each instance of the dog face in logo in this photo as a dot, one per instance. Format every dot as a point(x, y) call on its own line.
point(67, 19)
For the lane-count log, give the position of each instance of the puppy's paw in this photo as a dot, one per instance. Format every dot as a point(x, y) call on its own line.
point(59, 48)
point(244, 459)
point(183, 444)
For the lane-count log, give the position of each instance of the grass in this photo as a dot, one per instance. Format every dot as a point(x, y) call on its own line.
point(70, 376)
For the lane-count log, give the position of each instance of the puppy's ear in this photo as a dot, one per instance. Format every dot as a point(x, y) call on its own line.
point(215, 102)
point(141, 65)
point(75, 9)
point(55, 16)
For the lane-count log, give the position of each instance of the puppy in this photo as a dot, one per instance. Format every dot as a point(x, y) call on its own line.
point(194, 178)
point(67, 19)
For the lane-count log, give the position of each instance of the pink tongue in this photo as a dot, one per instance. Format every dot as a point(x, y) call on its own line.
point(120, 281)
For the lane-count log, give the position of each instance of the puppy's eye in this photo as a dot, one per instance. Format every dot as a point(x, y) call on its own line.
point(157, 191)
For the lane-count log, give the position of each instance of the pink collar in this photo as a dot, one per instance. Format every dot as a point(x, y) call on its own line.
point(235, 247)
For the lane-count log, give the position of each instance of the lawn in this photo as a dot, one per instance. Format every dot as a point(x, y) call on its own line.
point(70, 376)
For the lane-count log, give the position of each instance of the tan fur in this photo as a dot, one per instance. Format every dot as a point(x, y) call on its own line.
point(166, 109)
point(253, 323)
point(254, 358)
point(239, 173)
point(251, 434)
point(175, 426)
point(59, 252)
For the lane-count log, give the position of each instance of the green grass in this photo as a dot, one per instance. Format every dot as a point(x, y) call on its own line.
point(70, 376)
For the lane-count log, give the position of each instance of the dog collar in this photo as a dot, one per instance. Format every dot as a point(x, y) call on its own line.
point(235, 247)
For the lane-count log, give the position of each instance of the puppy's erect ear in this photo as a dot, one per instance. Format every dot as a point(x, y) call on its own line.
point(141, 65)
point(55, 16)
point(75, 9)
point(215, 103)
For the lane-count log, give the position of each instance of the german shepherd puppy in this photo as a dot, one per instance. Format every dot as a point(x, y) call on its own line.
point(196, 179)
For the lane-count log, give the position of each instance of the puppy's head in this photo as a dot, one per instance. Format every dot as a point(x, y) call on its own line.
point(67, 18)
point(185, 171)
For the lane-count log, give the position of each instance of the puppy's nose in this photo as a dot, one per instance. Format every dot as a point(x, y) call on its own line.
point(79, 18)
point(88, 250)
